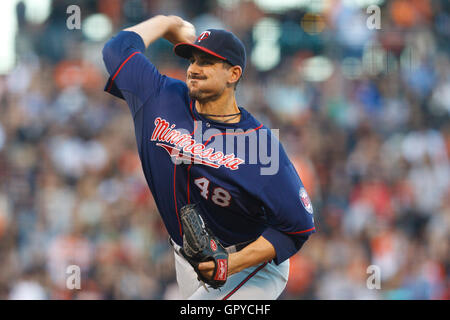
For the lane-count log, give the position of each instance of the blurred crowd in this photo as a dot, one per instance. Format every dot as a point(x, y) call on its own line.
point(371, 146)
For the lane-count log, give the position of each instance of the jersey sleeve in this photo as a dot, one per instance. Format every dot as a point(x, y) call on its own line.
point(289, 212)
point(132, 76)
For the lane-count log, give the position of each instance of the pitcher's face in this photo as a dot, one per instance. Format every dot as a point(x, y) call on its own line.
point(207, 76)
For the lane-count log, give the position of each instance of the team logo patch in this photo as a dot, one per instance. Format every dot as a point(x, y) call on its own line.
point(304, 199)
point(213, 245)
point(222, 268)
point(204, 35)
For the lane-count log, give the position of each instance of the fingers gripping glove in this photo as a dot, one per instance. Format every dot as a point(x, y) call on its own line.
point(200, 245)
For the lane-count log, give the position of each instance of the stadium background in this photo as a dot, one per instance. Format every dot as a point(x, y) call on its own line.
point(363, 113)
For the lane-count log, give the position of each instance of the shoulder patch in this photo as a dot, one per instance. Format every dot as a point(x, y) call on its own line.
point(304, 199)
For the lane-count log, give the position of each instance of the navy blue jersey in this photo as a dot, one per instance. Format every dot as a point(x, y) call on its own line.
point(187, 158)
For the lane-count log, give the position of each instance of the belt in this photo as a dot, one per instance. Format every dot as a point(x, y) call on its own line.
point(234, 248)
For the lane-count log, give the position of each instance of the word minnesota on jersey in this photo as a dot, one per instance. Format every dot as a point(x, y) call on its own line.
point(182, 146)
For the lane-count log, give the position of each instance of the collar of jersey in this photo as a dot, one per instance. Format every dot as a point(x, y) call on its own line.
point(244, 123)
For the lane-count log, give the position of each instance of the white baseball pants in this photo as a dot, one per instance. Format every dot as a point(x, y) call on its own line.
point(263, 282)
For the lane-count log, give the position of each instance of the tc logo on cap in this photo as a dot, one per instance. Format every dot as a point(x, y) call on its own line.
point(203, 35)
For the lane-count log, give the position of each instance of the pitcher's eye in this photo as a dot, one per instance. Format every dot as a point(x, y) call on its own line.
point(205, 63)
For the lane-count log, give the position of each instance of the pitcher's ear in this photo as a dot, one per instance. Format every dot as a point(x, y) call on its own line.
point(236, 73)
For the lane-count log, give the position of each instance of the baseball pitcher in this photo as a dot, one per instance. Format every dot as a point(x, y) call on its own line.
point(232, 226)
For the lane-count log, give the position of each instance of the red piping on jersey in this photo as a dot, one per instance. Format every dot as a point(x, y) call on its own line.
point(175, 198)
point(118, 70)
point(188, 180)
point(174, 176)
point(189, 168)
point(235, 133)
point(195, 120)
point(244, 281)
point(303, 231)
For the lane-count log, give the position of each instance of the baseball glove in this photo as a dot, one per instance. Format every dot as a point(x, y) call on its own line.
point(200, 245)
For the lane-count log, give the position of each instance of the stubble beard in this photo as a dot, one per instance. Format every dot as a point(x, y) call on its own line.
point(202, 96)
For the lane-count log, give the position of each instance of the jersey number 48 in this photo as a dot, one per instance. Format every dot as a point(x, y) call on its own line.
point(219, 196)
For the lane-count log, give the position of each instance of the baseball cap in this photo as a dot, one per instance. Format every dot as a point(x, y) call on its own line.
point(217, 42)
